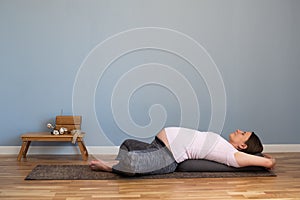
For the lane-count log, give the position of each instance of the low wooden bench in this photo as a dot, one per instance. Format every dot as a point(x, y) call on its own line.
point(27, 138)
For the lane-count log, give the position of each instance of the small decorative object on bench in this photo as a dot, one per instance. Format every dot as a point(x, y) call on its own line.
point(67, 129)
point(65, 124)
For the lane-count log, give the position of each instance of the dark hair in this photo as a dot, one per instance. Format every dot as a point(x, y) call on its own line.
point(254, 145)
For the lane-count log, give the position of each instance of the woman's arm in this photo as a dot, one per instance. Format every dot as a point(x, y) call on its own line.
point(244, 159)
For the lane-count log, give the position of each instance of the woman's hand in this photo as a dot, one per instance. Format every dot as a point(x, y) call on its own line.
point(267, 156)
point(272, 161)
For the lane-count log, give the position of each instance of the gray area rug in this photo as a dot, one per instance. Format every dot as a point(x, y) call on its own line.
point(83, 172)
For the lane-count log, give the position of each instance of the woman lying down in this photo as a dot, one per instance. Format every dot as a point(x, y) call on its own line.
point(174, 145)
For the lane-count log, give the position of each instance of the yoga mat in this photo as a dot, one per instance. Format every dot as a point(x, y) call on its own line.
point(83, 172)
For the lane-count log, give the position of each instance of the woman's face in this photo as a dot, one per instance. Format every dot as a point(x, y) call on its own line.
point(239, 138)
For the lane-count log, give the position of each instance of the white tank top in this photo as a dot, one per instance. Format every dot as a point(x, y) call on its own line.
point(192, 144)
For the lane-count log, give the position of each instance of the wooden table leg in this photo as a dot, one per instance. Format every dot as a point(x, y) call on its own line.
point(86, 151)
point(23, 150)
point(26, 149)
point(83, 149)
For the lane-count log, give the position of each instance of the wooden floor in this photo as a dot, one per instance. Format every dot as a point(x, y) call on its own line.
point(13, 186)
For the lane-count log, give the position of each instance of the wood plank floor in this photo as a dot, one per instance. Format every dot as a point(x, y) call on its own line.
point(13, 186)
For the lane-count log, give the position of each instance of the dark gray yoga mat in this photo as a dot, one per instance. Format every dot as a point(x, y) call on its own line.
point(83, 172)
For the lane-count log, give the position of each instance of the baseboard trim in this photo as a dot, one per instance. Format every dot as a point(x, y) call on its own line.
point(281, 148)
point(112, 150)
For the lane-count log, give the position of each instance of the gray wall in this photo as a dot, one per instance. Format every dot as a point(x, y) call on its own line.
point(210, 65)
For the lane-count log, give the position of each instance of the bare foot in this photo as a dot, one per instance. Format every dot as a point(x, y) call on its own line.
point(99, 165)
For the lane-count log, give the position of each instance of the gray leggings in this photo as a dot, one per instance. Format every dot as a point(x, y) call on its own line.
point(138, 158)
